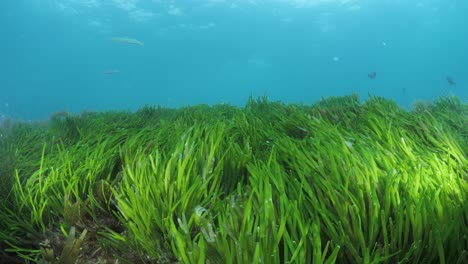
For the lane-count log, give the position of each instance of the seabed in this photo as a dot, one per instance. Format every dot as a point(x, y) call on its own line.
point(339, 181)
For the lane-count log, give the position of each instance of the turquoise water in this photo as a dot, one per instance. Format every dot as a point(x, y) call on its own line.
point(59, 54)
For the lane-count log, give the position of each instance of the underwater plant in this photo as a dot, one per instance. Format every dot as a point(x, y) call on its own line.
point(340, 181)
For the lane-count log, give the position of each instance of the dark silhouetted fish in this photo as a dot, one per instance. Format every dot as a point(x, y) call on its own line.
point(450, 80)
point(372, 75)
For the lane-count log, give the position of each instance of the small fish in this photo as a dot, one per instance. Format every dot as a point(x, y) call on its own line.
point(372, 75)
point(128, 41)
point(109, 72)
point(450, 80)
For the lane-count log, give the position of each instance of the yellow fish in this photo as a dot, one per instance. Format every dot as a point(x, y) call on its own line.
point(128, 41)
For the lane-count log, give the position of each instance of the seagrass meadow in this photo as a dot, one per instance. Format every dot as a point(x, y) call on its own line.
point(339, 181)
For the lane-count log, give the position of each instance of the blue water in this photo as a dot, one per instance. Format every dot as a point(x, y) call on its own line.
point(54, 53)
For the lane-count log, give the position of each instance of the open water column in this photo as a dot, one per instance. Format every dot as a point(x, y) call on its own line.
point(218, 131)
